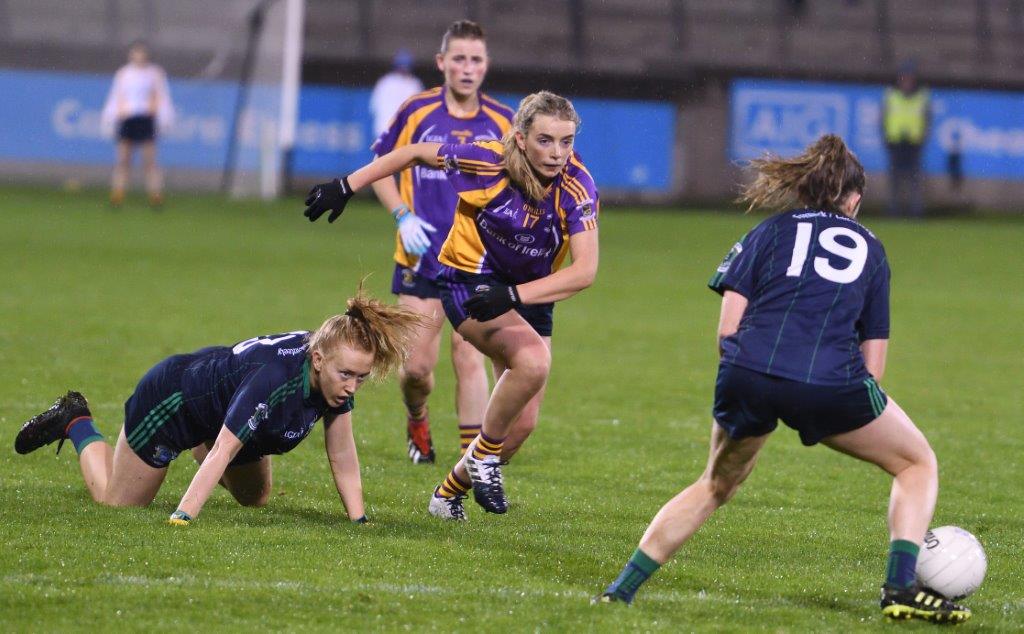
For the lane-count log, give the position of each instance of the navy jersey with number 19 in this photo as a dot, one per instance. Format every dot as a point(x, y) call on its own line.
point(817, 284)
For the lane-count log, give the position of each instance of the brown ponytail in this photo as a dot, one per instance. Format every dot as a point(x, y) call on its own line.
point(820, 178)
point(369, 324)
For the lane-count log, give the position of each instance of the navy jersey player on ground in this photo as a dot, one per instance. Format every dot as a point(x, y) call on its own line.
point(235, 407)
point(803, 334)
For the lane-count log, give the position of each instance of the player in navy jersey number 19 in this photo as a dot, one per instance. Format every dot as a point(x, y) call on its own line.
point(423, 205)
point(235, 407)
point(525, 203)
point(803, 335)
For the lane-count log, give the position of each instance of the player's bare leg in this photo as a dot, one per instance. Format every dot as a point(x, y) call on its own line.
point(132, 482)
point(250, 484)
point(96, 462)
point(154, 177)
point(729, 463)
point(122, 166)
point(896, 445)
point(416, 377)
point(472, 388)
point(527, 420)
point(513, 344)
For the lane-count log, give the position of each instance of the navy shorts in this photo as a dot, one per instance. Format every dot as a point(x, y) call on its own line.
point(458, 286)
point(750, 403)
point(137, 129)
point(408, 282)
point(158, 424)
point(155, 419)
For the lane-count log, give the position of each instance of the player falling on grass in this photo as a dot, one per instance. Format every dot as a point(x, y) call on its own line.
point(803, 335)
point(523, 204)
point(422, 205)
point(234, 407)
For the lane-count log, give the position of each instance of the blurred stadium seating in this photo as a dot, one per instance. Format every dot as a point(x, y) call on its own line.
point(683, 52)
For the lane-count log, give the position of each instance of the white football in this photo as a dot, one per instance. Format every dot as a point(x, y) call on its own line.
point(952, 562)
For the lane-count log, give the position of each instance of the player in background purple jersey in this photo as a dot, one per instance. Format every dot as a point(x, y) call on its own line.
point(422, 204)
point(524, 204)
point(803, 335)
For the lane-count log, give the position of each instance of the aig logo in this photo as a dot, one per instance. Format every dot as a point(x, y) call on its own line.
point(525, 238)
point(784, 120)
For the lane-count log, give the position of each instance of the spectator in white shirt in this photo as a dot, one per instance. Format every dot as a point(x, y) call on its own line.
point(391, 91)
point(137, 109)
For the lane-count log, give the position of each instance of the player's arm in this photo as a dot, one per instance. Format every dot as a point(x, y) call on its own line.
point(336, 194)
point(874, 351)
point(733, 307)
point(224, 450)
point(566, 282)
point(344, 461)
point(394, 162)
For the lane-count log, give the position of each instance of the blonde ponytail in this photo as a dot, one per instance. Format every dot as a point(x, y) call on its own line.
point(369, 324)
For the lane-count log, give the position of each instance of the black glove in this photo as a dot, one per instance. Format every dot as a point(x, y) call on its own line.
point(333, 195)
point(489, 302)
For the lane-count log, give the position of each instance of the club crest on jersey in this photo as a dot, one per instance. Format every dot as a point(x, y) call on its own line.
point(450, 164)
point(727, 262)
point(586, 209)
point(260, 415)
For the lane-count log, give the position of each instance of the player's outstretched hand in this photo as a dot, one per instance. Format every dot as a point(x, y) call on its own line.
point(489, 302)
point(331, 196)
point(413, 230)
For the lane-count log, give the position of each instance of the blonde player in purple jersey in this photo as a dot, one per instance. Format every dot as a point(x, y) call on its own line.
point(524, 204)
point(422, 204)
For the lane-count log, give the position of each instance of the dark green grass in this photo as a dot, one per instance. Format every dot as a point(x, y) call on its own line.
point(90, 298)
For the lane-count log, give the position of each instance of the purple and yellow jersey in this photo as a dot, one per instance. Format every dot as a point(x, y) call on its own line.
point(425, 118)
point(499, 231)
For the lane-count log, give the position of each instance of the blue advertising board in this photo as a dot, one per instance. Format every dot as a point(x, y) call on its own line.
point(55, 117)
point(783, 117)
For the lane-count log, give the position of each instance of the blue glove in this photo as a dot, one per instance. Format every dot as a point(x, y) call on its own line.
point(412, 230)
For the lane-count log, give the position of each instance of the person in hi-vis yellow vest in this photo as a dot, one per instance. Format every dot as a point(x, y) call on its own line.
point(906, 119)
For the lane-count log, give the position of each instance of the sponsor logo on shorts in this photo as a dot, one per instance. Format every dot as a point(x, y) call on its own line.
point(163, 455)
point(408, 278)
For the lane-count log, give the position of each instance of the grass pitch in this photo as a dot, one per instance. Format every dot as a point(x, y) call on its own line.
point(92, 297)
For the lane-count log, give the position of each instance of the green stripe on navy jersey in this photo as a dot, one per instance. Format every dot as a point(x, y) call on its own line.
point(817, 285)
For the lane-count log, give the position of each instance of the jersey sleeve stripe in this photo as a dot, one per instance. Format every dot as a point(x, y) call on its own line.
point(574, 188)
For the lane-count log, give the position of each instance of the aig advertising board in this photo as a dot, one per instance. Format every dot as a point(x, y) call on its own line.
point(55, 118)
point(782, 117)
